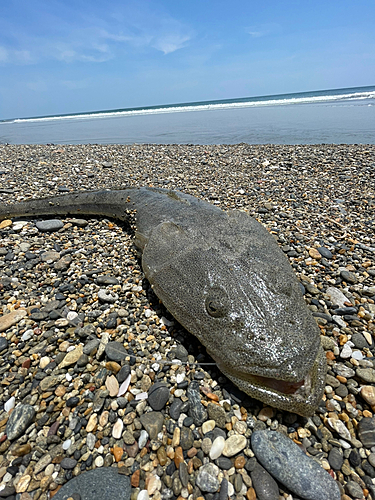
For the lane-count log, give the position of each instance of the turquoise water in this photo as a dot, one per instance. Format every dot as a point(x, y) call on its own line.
point(327, 116)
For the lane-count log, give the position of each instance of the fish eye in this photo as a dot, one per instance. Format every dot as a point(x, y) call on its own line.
point(217, 303)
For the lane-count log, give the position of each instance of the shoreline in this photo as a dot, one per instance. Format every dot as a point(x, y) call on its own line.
point(308, 197)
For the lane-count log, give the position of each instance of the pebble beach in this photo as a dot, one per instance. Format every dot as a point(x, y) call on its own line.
point(101, 390)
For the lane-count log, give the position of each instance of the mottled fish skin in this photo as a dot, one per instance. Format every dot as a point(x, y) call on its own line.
point(225, 279)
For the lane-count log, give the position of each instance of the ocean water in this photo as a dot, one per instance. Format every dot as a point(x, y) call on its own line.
point(340, 116)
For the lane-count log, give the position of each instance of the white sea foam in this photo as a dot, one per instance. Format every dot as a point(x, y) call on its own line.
point(258, 102)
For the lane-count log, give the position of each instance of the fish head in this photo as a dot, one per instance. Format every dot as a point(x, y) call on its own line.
point(246, 307)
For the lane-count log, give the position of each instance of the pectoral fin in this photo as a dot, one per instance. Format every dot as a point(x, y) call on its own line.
point(166, 242)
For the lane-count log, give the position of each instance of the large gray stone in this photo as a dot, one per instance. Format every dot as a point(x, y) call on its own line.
point(49, 225)
point(286, 462)
point(97, 484)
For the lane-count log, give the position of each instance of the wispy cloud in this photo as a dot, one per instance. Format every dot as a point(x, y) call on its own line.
point(95, 38)
point(263, 30)
point(171, 43)
point(15, 56)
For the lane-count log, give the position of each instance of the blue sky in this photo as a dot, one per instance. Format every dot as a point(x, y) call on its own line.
point(84, 55)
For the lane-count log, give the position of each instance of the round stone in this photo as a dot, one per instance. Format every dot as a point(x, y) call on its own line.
point(158, 396)
point(234, 444)
point(49, 225)
point(207, 478)
point(107, 296)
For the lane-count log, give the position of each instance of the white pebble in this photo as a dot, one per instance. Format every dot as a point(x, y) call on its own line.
point(68, 377)
point(143, 437)
point(230, 489)
point(7, 477)
point(148, 313)
point(10, 404)
point(48, 471)
point(66, 444)
point(143, 495)
point(71, 315)
point(90, 441)
point(99, 461)
point(117, 429)
point(217, 448)
point(346, 352)
point(357, 355)
point(140, 396)
point(180, 377)
point(27, 335)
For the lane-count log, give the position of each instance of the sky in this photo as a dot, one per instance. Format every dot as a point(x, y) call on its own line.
point(73, 56)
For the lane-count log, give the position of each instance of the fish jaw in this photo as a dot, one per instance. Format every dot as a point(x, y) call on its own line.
point(301, 397)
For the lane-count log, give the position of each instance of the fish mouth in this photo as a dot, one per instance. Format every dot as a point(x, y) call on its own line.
point(300, 397)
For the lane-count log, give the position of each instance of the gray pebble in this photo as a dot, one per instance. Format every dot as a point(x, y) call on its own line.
point(158, 396)
point(115, 351)
point(106, 296)
point(19, 420)
point(335, 458)
point(68, 463)
point(206, 479)
point(153, 423)
point(282, 458)
point(366, 431)
point(3, 343)
point(196, 409)
point(49, 225)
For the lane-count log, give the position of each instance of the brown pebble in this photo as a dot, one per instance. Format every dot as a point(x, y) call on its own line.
point(162, 456)
point(178, 456)
point(313, 252)
point(60, 391)
point(266, 413)
point(117, 453)
point(134, 481)
point(22, 450)
point(240, 462)
point(341, 379)
point(5, 223)
point(250, 494)
point(192, 452)
point(27, 363)
point(190, 467)
point(112, 366)
point(368, 394)
point(197, 462)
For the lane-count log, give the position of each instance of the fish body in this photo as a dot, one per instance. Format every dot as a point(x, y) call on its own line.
point(225, 279)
